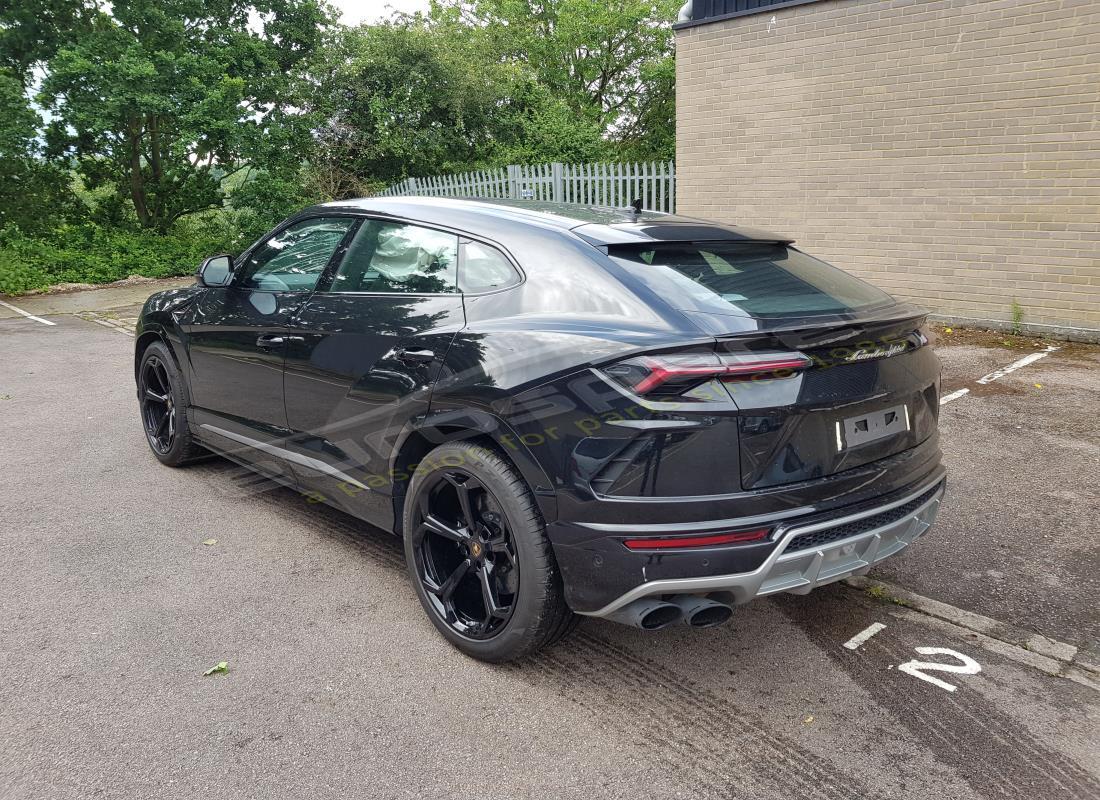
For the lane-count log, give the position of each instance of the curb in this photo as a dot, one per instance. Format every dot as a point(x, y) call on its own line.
point(1026, 647)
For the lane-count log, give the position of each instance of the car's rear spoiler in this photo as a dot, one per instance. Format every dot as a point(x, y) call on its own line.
point(649, 231)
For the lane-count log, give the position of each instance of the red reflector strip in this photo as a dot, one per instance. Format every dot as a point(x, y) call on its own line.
point(766, 366)
point(710, 540)
point(662, 371)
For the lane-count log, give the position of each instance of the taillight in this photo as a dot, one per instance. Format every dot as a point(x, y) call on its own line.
point(671, 375)
point(690, 542)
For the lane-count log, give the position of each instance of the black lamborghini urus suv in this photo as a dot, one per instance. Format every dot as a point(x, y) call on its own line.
point(562, 410)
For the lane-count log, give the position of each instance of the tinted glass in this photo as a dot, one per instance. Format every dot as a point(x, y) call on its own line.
point(293, 259)
point(394, 257)
point(756, 279)
point(485, 268)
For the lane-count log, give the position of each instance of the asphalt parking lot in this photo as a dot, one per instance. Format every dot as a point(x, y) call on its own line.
point(338, 685)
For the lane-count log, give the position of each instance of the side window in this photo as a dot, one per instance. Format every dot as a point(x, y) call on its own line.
point(485, 268)
point(401, 258)
point(293, 259)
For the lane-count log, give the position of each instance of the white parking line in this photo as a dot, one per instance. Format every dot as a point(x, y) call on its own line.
point(864, 635)
point(26, 314)
point(1015, 365)
point(1000, 373)
point(109, 325)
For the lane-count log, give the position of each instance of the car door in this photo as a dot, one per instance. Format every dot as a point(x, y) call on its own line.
point(363, 353)
point(236, 338)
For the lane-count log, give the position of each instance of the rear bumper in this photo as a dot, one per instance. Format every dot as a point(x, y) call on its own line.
point(803, 553)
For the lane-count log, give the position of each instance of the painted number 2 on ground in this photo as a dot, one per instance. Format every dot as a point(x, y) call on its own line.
point(920, 669)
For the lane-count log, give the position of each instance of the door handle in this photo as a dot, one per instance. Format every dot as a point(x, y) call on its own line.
point(268, 341)
point(414, 356)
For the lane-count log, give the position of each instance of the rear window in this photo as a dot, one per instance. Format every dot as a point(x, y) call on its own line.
point(758, 279)
point(484, 269)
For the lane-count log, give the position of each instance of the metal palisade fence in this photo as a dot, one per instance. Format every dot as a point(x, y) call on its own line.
point(615, 185)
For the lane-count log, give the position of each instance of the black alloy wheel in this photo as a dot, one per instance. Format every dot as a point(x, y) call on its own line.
point(479, 557)
point(158, 408)
point(465, 556)
point(162, 402)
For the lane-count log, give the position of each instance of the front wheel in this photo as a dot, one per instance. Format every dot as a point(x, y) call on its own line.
point(163, 405)
point(480, 561)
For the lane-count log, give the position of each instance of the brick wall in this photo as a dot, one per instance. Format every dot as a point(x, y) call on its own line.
point(948, 151)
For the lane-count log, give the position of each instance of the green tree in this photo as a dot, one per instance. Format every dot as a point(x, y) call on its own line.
point(407, 98)
point(489, 82)
point(163, 99)
point(546, 129)
point(32, 192)
point(649, 132)
point(266, 197)
point(31, 32)
point(610, 61)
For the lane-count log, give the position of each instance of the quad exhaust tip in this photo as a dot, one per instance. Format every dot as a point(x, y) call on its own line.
point(647, 614)
point(651, 614)
point(702, 612)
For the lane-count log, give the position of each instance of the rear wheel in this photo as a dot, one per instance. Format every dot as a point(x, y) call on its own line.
point(163, 408)
point(480, 561)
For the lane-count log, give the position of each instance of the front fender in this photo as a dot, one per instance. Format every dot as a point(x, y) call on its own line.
point(158, 321)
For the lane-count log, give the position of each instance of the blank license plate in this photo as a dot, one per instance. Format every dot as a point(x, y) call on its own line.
point(874, 426)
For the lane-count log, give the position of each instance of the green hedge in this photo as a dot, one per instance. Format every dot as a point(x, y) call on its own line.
point(91, 253)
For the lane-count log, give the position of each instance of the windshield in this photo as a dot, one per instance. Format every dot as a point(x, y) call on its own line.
point(757, 279)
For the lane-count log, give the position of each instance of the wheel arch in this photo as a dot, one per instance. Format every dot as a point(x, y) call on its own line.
point(476, 427)
point(147, 337)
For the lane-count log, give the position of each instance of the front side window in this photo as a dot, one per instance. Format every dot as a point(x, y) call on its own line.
point(757, 279)
point(399, 258)
point(293, 259)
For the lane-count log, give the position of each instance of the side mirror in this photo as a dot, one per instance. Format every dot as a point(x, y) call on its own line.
point(215, 271)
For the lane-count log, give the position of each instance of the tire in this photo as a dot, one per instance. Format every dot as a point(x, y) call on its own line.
point(157, 367)
point(516, 561)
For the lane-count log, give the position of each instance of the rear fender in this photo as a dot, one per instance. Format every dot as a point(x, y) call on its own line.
point(419, 437)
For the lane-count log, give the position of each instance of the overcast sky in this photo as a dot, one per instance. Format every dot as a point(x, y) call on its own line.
point(356, 11)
